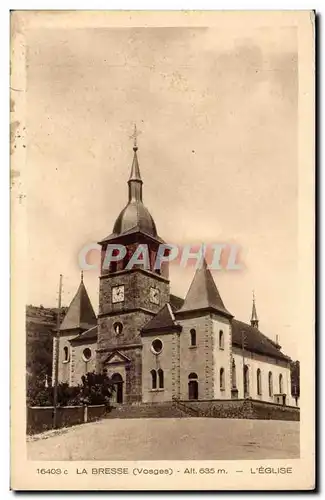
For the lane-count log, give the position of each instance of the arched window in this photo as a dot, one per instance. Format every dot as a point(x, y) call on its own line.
point(65, 354)
point(233, 374)
point(280, 384)
point(117, 380)
point(153, 379)
point(270, 384)
point(221, 340)
point(222, 379)
point(259, 382)
point(113, 264)
point(193, 337)
point(161, 378)
point(246, 381)
point(193, 386)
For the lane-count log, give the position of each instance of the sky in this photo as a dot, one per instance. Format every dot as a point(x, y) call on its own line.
point(216, 111)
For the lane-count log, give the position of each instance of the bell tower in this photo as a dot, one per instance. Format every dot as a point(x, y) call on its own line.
point(129, 295)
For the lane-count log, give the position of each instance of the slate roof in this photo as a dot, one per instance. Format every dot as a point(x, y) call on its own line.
point(255, 340)
point(80, 312)
point(203, 294)
point(133, 230)
point(135, 215)
point(164, 320)
point(135, 169)
point(86, 336)
point(175, 302)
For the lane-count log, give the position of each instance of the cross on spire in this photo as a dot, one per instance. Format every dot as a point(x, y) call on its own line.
point(134, 136)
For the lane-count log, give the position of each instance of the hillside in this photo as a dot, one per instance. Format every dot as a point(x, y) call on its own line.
point(40, 327)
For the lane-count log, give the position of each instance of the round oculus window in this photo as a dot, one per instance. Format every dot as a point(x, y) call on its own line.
point(156, 346)
point(86, 354)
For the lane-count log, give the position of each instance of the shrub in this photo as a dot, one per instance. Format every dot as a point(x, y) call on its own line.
point(95, 389)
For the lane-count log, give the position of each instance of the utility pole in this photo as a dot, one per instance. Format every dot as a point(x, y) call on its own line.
point(56, 357)
point(243, 345)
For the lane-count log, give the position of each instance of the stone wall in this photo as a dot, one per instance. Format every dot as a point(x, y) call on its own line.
point(147, 410)
point(221, 357)
point(165, 361)
point(137, 285)
point(242, 408)
point(79, 365)
point(67, 371)
point(130, 369)
point(132, 322)
point(265, 366)
point(40, 419)
point(239, 409)
point(196, 359)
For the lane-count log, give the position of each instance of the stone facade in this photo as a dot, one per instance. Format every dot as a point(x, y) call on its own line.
point(266, 365)
point(137, 284)
point(179, 359)
point(222, 348)
point(129, 316)
point(197, 358)
point(167, 361)
point(66, 366)
point(80, 363)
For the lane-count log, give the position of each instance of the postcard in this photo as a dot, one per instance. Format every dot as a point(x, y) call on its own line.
point(162, 200)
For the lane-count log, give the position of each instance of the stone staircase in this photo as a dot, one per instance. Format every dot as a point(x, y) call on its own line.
point(168, 409)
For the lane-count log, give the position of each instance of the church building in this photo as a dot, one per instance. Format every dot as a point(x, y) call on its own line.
point(157, 346)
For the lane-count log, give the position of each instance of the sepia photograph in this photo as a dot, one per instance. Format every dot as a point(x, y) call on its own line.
point(163, 248)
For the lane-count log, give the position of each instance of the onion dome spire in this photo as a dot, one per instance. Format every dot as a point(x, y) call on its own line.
point(135, 216)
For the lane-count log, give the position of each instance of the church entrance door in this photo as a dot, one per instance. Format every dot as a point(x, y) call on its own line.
point(193, 389)
point(118, 385)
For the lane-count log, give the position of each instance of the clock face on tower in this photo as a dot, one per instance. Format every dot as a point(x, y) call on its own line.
point(154, 295)
point(118, 294)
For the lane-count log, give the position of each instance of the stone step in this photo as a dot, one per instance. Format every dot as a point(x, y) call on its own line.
point(146, 410)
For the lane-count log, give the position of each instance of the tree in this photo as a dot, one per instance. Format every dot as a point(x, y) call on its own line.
point(39, 395)
point(295, 379)
point(97, 388)
point(36, 392)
